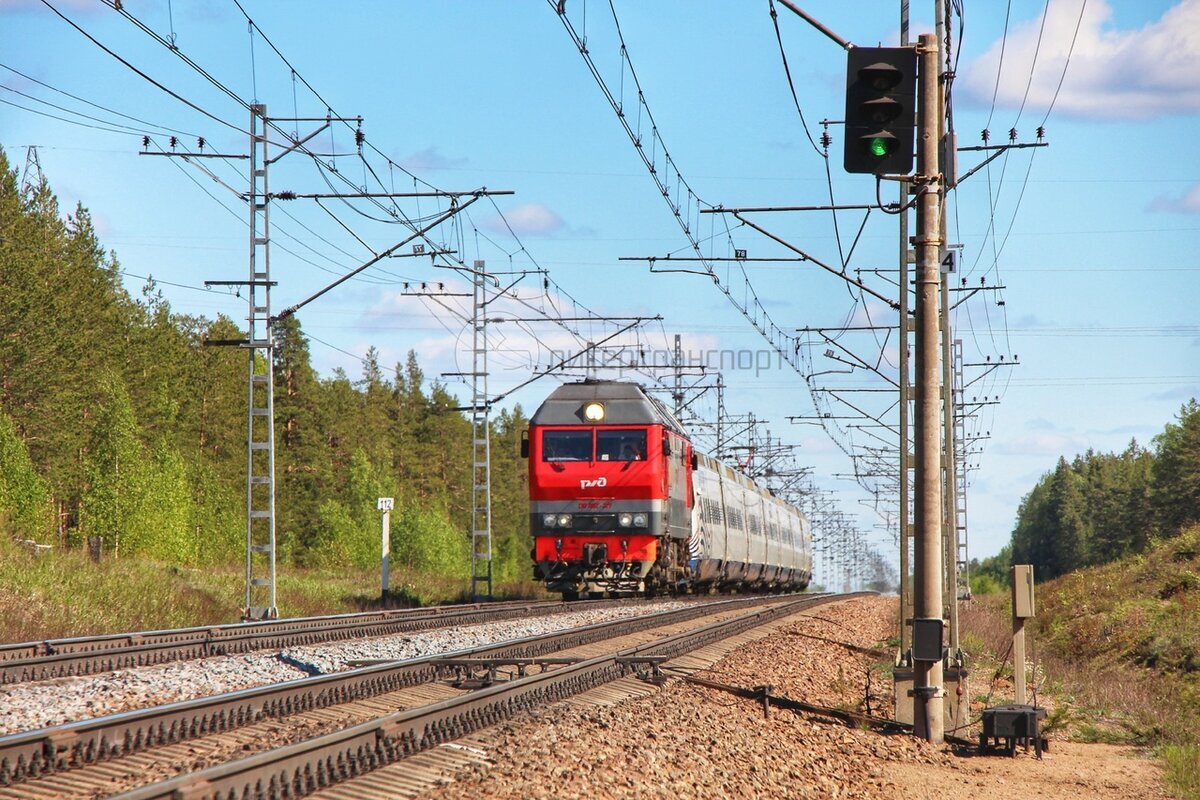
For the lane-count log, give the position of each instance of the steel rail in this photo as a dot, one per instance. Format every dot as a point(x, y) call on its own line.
point(87, 655)
point(31, 754)
point(302, 768)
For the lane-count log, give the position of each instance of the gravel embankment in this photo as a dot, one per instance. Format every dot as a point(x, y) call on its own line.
point(691, 742)
point(37, 705)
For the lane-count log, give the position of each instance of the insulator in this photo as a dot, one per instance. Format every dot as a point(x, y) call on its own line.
point(145, 142)
point(174, 142)
point(1012, 134)
point(826, 140)
point(985, 134)
point(1041, 133)
point(200, 142)
point(359, 137)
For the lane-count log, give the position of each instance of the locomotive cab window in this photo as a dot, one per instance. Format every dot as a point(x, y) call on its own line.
point(620, 445)
point(566, 445)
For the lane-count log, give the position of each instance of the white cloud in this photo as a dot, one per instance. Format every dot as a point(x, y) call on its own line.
point(1113, 74)
point(431, 159)
point(1045, 443)
point(528, 219)
point(1189, 203)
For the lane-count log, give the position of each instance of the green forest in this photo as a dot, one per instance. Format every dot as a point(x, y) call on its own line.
point(1101, 507)
point(117, 421)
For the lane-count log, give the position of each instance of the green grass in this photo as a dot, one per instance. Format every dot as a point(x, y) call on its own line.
point(57, 594)
point(1090, 733)
point(1183, 770)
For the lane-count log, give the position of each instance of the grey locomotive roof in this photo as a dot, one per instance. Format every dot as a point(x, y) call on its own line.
point(624, 404)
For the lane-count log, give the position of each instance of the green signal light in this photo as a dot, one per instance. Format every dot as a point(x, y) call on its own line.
point(878, 146)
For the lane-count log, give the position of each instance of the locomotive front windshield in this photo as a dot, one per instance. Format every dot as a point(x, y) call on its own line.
point(619, 445)
point(609, 445)
point(567, 446)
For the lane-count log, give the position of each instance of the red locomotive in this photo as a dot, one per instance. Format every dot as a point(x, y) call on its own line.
point(620, 504)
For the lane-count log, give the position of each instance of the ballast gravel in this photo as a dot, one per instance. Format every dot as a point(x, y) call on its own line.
point(695, 743)
point(31, 706)
point(689, 741)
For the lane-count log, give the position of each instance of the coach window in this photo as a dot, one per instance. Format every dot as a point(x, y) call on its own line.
point(566, 445)
point(620, 445)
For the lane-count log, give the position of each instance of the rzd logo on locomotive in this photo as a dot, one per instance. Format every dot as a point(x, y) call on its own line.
point(598, 483)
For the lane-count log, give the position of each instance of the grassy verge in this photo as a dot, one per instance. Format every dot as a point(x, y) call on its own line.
point(57, 594)
point(1114, 650)
point(1183, 769)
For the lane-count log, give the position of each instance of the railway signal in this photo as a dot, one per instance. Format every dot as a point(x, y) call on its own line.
point(880, 109)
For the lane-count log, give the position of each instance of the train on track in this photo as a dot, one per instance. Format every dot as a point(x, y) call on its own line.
point(621, 504)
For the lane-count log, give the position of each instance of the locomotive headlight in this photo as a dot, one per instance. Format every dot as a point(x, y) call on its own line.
point(593, 412)
point(625, 520)
point(548, 520)
point(639, 520)
point(564, 520)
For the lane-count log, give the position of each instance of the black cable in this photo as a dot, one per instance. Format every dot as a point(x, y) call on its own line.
point(163, 128)
point(792, 86)
point(1036, 50)
point(1000, 66)
point(317, 94)
point(1070, 52)
point(64, 119)
point(141, 74)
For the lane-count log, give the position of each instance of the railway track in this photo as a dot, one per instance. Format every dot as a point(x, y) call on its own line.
point(346, 720)
point(88, 655)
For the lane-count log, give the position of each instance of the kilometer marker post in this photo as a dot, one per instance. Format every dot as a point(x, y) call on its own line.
point(385, 544)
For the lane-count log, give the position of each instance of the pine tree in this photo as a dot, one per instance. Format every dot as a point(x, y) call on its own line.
point(1175, 491)
point(510, 498)
point(24, 495)
point(116, 471)
point(375, 416)
point(1067, 532)
point(303, 464)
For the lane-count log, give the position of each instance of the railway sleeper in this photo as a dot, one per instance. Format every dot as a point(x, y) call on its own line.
point(479, 672)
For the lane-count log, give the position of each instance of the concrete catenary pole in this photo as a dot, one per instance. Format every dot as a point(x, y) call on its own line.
point(927, 599)
point(949, 455)
point(905, 530)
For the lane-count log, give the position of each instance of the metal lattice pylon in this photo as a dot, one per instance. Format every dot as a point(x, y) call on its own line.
point(481, 453)
point(260, 431)
point(963, 583)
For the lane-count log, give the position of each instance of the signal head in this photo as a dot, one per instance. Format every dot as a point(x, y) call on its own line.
point(880, 109)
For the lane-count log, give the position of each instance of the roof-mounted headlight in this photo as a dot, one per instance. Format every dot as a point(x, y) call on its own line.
point(594, 412)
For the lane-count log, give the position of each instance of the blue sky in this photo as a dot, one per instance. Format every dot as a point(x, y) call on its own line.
point(1094, 239)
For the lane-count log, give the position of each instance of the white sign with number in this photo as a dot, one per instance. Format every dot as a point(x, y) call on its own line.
point(386, 503)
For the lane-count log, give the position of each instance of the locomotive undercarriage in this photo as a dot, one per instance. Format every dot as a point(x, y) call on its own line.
point(596, 575)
